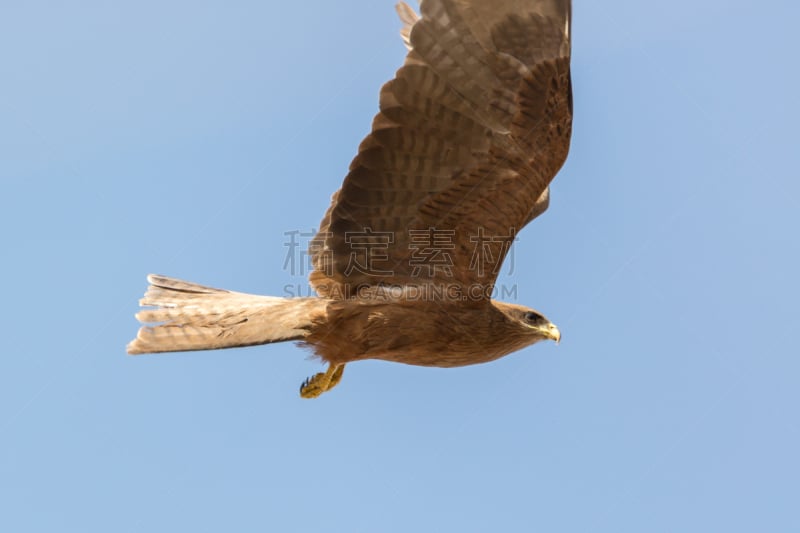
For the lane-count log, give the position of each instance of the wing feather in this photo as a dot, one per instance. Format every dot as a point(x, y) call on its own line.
point(470, 132)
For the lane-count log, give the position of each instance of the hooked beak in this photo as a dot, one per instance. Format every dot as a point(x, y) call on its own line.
point(550, 331)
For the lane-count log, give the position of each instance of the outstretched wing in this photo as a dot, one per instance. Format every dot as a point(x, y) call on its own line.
point(470, 132)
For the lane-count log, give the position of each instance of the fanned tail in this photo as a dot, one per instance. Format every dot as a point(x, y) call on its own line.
point(187, 316)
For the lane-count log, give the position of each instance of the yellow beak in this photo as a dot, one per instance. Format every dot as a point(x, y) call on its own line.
point(551, 332)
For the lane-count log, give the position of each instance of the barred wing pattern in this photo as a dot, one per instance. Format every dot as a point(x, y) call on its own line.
point(470, 132)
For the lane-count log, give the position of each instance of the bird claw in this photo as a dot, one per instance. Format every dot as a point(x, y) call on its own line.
point(312, 387)
point(321, 382)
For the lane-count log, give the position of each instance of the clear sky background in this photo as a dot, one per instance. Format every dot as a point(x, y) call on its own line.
point(185, 138)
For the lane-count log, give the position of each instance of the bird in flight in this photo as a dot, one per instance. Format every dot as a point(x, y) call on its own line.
point(470, 132)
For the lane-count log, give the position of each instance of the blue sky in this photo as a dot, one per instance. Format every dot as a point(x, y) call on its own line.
point(185, 138)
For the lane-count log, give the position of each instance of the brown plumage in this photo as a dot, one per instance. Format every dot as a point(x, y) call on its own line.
point(470, 132)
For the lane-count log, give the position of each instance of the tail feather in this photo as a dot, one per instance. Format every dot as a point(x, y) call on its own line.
point(186, 316)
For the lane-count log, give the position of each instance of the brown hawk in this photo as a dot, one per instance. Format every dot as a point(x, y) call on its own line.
point(469, 134)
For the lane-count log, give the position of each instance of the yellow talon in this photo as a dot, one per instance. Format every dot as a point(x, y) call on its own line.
point(322, 382)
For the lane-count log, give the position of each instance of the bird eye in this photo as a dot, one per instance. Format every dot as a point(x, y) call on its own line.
point(532, 317)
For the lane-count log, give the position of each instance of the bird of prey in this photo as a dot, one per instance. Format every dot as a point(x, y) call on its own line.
point(470, 132)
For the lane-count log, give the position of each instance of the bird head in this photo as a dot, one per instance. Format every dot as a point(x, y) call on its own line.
point(529, 322)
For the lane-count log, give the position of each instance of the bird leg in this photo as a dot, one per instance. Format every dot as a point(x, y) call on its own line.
point(322, 382)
